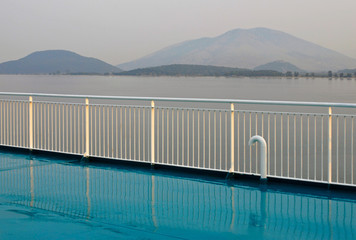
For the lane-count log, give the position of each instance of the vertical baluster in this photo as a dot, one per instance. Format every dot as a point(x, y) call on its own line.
point(183, 142)
point(117, 131)
point(330, 147)
point(244, 142)
point(281, 145)
point(322, 147)
point(295, 146)
point(352, 150)
point(314, 147)
point(275, 144)
point(112, 133)
point(232, 136)
point(209, 142)
point(178, 149)
point(288, 145)
point(152, 132)
point(337, 148)
point(167, 137)
point(162, 136)
point(130, 136)
point(188, 137)
point(198, 138)
point(344, 149)
point(125, 136)
point(269, 141)
point(158, 136)
point(172, 110)
point(214, 139)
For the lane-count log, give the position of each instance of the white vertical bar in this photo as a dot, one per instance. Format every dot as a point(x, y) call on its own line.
point(130, 135)
point(198, 138)
point(125, 136)
point(281, 144)
point(193, 133)
point(269, 140)
point(172, 110)
point(152, 132)
point(250, 135)
point(121, 132)
point(275, 143)
point(167, 137)
point(322, 147)
point(139, 134)
point(232, 135)
point(214, 139)
point(244, 141)
point(337, 148)
point(344, 149)
point(71, 126)
point(226, 141)
point(55, 127)
point(330, 146)
point(162, 135)
point(238, 141)
point(183, 144)
point(295, 145)
point(287, 145)
point(308, 147)
point(117, 132)
point(352, 150)
point(30, 110)
point(158, 136)
point(143, 134)
point(209, 145)
point(314, 147)
point(301, 146)
point(188, 137)
point(112, 132)
point(87, 150)
point(177, 136)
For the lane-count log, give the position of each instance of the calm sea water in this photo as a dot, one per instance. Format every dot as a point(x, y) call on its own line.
point(302, 89)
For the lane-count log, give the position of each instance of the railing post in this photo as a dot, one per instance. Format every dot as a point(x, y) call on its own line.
point(152, 132)
point(30, 122)
point(86, 154)
point(232, 134)
point(330, 147)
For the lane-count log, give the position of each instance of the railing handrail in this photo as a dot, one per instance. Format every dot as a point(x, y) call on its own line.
point(201, 100)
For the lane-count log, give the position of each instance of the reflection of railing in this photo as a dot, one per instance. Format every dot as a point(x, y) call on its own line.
point(161, 203)
point(303, 143)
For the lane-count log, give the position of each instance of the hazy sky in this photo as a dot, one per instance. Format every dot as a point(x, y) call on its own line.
point(117, 31)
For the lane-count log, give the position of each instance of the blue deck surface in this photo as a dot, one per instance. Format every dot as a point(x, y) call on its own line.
point(51, 198)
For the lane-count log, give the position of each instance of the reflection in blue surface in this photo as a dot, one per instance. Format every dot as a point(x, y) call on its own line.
point(142, 205)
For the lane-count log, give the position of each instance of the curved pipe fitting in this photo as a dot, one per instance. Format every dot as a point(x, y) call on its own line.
point(263, 147)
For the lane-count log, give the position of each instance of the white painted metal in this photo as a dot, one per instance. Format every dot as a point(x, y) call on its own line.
point(263, 150)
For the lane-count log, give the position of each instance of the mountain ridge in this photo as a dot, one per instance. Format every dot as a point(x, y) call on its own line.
point(56, 62)
point(246, 48)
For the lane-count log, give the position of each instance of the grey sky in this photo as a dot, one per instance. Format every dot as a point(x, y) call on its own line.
point(117, 31)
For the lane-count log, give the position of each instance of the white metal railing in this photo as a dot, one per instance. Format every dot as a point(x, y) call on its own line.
point(311, 144)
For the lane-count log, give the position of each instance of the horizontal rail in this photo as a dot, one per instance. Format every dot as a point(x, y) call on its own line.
point(202, 100)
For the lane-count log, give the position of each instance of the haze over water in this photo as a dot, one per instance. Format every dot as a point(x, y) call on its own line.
point(301, 89)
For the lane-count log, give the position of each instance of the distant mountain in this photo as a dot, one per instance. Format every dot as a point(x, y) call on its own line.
point(279, 66)
point(247, 49)
point(197, 70)
point(56, 62)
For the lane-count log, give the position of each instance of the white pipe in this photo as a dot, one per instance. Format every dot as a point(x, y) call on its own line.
point(263, 147)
